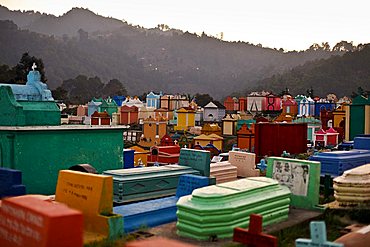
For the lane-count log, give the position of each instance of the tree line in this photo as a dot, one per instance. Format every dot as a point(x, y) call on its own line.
point(72, 91)
point(340, 75)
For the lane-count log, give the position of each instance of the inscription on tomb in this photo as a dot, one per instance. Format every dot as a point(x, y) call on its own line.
point(77, 190)
point(16, 224)
point(89, 193)
point(196, 159)
point(187, 183)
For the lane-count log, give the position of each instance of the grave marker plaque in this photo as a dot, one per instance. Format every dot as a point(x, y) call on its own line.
point(197, 159)
point(90, 193)
point(93, 195)
point(245, 163)
point(32, 222)
point(300, 176)
point(188, 183)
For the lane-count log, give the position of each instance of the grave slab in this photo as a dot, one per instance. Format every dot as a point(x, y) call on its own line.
point(245, 163)
point(223, 172)
point(353, 187)
point(214, 211)
point(336, 162)
point(32, 222)
point(130, 185)
point(145, 183)
point(362, 142)
point(93, 195)
point(197, 159)
point(159, 211)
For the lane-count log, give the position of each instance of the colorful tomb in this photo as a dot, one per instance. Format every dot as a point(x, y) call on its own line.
point(337, 162)
point(300, 176)
point(326, 138)
point(40, 152)
point(214, 211)
point(92, 195)
point(158, 211)
point(359, 117)
point(33, 222)
point(151, 182)
point(30, 104)
point(353, 187)
point(272, 139)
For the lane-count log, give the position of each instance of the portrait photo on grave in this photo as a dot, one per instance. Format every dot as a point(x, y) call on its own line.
point(293, 175)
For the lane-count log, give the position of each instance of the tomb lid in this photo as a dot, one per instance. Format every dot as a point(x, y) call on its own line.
point(229, 188)
point(363, 170)
point(352, 152)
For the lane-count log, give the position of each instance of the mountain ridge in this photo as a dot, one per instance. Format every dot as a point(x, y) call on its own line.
point(143, 59)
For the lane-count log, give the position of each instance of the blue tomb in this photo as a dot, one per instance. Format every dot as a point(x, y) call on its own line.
point(159, 211)
point(335, 163)
point(11, 183)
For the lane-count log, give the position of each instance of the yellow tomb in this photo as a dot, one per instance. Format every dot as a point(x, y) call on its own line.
point(93, 195)
point(353, 187)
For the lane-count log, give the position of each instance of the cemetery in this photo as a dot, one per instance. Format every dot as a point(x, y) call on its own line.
point(84, 185)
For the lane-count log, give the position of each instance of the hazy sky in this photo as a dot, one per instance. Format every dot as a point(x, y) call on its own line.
point(288, 24)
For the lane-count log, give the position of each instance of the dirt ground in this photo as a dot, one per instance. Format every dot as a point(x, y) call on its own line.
point(296, 216)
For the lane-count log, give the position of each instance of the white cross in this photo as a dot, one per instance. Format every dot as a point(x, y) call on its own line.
point(34, 66)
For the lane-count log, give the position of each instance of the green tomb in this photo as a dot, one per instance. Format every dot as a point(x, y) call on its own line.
point(41, 151)
point(151, 182)
point(214, 211)
point(32, 140)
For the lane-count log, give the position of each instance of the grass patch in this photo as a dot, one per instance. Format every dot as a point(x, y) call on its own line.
point(334, 224)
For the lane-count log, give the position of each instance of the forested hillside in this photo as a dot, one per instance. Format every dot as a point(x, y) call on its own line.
point(83, 43)
point(340, 75)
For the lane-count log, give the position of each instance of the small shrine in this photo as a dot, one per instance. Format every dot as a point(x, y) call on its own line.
point(229, 123)
point(100, 118)
point(185, 118)
point(28, 105)
point(289, 106)
point(129, 115)
point(153, 130)
point(326, 138)
point(245, 137)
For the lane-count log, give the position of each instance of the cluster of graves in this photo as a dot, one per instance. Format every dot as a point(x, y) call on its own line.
point(203, 207)
point(246, 122)
point(69, 185)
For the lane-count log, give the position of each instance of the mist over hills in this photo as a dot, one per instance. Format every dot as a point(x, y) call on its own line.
point(340, 75)
point(160, 59)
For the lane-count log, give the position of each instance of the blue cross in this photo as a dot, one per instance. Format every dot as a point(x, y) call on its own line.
point(318, 237)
